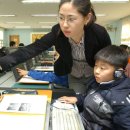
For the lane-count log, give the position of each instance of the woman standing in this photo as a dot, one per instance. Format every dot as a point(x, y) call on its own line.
point(76, 38)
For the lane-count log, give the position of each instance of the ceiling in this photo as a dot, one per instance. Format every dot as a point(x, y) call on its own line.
point(23, 12)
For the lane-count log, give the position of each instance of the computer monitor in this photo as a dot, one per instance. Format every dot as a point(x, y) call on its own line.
point(15, 72)
point(29, 64)
point(9, 50)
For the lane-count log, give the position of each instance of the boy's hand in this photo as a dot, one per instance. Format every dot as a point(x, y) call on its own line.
point(69, 100)
point(22, 72)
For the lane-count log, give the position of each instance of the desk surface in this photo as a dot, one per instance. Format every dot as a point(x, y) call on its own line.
point(33, 117)
point(33, 86)
point(56, 93)
point(7, 80)
point(39, 91)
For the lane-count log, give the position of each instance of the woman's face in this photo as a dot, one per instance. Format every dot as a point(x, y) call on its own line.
point(71, 21)
point(103, 71)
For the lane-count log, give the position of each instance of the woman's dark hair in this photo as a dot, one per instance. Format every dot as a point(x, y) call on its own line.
point(83, 6)
point(113, 55)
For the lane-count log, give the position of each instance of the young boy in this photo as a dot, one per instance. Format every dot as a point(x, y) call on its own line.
point(106, 104)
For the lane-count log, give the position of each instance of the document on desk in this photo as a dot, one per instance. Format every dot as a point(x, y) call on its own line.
point(27, 104)
point(23, 112)
point(45, 68)
point(15, 122)
point(28, 80)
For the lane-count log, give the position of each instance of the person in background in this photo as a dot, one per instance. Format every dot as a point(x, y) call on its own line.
point(106, 103)
point(77, 38)
point(2, 51)
point(127, 69)
point(12, 44)
point(21, 44)
point(45, 76)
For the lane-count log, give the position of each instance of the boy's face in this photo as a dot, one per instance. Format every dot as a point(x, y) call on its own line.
point(103, 71)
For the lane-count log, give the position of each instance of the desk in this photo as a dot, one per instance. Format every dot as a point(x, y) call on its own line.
point(7, 80)
point(32, 86)
point(54, 93)
point(29, 118)
point(40, 91)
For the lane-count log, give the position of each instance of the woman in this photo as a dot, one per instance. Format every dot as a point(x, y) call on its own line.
point(76, 38)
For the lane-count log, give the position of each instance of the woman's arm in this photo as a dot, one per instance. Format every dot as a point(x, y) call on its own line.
point(29, 51)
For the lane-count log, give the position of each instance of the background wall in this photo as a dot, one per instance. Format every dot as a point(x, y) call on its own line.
point(24, 34)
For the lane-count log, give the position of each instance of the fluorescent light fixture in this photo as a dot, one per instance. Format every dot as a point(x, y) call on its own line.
point(22, 26)
point(15, 22)
point(57, 1)
point(46, 26)
point(7, 15)
point(40, 1)
point(100, 15)
point(109, 1)
point(47, 22)
point(44, 15)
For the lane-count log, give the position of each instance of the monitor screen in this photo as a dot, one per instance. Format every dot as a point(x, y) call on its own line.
point(15, 72)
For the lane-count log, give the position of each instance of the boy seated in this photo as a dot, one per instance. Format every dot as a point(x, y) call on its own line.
point(106, 104)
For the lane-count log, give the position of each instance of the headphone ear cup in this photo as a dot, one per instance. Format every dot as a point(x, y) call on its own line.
point(118, 74)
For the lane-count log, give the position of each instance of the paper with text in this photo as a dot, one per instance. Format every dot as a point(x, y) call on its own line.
point(30, 104)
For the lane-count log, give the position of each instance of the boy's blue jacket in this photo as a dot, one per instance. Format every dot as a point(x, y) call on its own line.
point(106, 106)
point(49, 76)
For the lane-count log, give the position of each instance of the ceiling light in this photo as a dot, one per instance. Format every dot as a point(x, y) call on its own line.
point(40, 1)
point(44, 15)
point(109, 1)
point(7, 15)
point(16, 22)
point(47, 22)
point(22, 26)
point(100, 15)
point(46, 26)
point(57, 1)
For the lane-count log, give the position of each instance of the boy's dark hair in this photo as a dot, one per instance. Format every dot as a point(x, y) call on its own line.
point(113, 55)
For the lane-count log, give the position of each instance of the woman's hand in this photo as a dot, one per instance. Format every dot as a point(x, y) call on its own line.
point(22, 72)
point(69, 100)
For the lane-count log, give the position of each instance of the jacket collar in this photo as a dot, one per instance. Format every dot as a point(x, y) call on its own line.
point(111, 84)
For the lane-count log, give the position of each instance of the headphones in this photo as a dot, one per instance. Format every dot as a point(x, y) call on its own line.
point(118, 74)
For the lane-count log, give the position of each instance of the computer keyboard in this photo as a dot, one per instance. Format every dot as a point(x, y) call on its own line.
point(66, 117)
